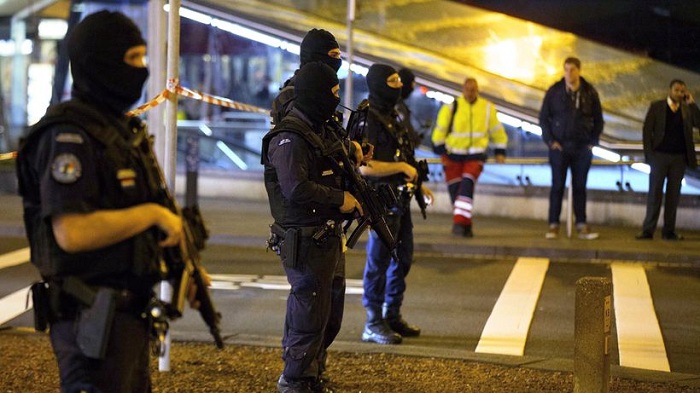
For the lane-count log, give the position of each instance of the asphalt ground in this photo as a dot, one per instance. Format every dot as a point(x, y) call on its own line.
point(244, 223)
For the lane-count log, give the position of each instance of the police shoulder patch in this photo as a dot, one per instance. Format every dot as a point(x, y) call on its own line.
point(66, 168)
point(284, 141)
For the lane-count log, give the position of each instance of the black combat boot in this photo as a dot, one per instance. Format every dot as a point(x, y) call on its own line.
point(392, 315)
point(377, 330)
point(285, 385)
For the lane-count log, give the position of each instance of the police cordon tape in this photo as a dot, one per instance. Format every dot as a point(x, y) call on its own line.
point(174, 87)
point(8, 156)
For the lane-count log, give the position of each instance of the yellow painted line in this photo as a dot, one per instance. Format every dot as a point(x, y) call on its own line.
point(639, 338)
point(14, 304)
point(14, 258)
point(506, 330)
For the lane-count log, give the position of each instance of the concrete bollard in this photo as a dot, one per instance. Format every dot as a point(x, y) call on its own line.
point(593, 318)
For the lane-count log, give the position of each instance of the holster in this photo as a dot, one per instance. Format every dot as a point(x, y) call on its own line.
point(41, 304)
point(288, 243)
point(95, 318)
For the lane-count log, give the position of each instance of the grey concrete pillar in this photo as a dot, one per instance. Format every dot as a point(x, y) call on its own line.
point(592, 335)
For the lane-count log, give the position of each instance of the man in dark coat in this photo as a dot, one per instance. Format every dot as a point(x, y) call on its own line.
point(668, 149)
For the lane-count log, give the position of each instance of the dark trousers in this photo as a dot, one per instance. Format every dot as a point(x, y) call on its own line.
point(314, 306)
point(125, 368)
point(579, 160)
point(384, 279)
point(669, 168)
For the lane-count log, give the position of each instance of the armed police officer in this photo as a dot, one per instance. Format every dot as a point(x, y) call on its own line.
point(385, 276)
point(317, 45)
point(89, 214)
point(307, 201)
point(408, 82)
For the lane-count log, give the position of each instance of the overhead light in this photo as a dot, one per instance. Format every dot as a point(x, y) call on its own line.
point(606, 154)
point(52, 29)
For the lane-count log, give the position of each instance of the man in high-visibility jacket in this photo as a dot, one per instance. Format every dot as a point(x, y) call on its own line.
point(461, 136)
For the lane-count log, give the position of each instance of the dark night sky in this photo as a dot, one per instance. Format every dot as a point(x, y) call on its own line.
point(666, 30)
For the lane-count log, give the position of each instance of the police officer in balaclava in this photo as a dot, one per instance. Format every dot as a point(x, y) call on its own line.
point(384, 277)
point(307, 201)
point(89, 214)
point(317, 45)
point(405, 116)
point(97, 51)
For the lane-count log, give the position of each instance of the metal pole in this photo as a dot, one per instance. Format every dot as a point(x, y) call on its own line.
point(173, 74)
point(18, 100)
point(156, 81)
point(569, 206)
point(20, 64)
point(347, 98)
point(169, 161)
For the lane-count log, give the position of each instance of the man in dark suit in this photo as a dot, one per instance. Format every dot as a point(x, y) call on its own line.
point(668, 149)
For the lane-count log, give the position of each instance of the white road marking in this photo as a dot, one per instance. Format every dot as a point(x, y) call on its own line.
point(506, 330)
point(232, 282)
point(639, 338)
point(14, 258)
point(14, 304)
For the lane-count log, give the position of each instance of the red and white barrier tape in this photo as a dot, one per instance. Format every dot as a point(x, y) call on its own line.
point(8, 156)
point(173, 86)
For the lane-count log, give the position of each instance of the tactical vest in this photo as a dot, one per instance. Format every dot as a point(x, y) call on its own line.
point(399, 141)
point(282, 104)
point(285, 212)
point(138, 255)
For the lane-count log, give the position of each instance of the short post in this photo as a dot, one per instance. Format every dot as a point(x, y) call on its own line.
point(593, 317)
point(192, 170)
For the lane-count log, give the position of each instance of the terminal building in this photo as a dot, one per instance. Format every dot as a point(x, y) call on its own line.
point(245, 50)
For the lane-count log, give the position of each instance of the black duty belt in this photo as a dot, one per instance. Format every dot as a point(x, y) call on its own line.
point(81, 295)
point(331, 227)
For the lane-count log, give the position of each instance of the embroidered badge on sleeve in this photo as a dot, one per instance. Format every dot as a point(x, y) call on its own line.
point(66, 168)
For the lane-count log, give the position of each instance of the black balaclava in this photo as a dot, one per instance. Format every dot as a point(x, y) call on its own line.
point(315, 47)
point(407, 79)
point(380, 93)
point(314, 95)
point(96, 48)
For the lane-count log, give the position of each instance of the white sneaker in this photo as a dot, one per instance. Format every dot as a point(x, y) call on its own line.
point(584, 232)
point(552, 233)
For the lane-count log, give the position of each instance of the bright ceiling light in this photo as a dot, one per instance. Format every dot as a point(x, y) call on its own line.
point(52, 29)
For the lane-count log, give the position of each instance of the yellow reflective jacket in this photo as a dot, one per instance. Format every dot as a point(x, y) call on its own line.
point(472, 128)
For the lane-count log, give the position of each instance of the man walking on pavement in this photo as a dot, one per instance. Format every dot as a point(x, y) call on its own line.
point(461, 137)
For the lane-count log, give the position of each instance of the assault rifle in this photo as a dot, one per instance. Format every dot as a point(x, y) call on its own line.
point(184, 262)
point(374, 202)
point(356, 131)
point(422, 169)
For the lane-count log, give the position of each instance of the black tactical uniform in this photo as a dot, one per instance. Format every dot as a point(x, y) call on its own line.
point(305, 193)
point(384, 278)
point(79, 159)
